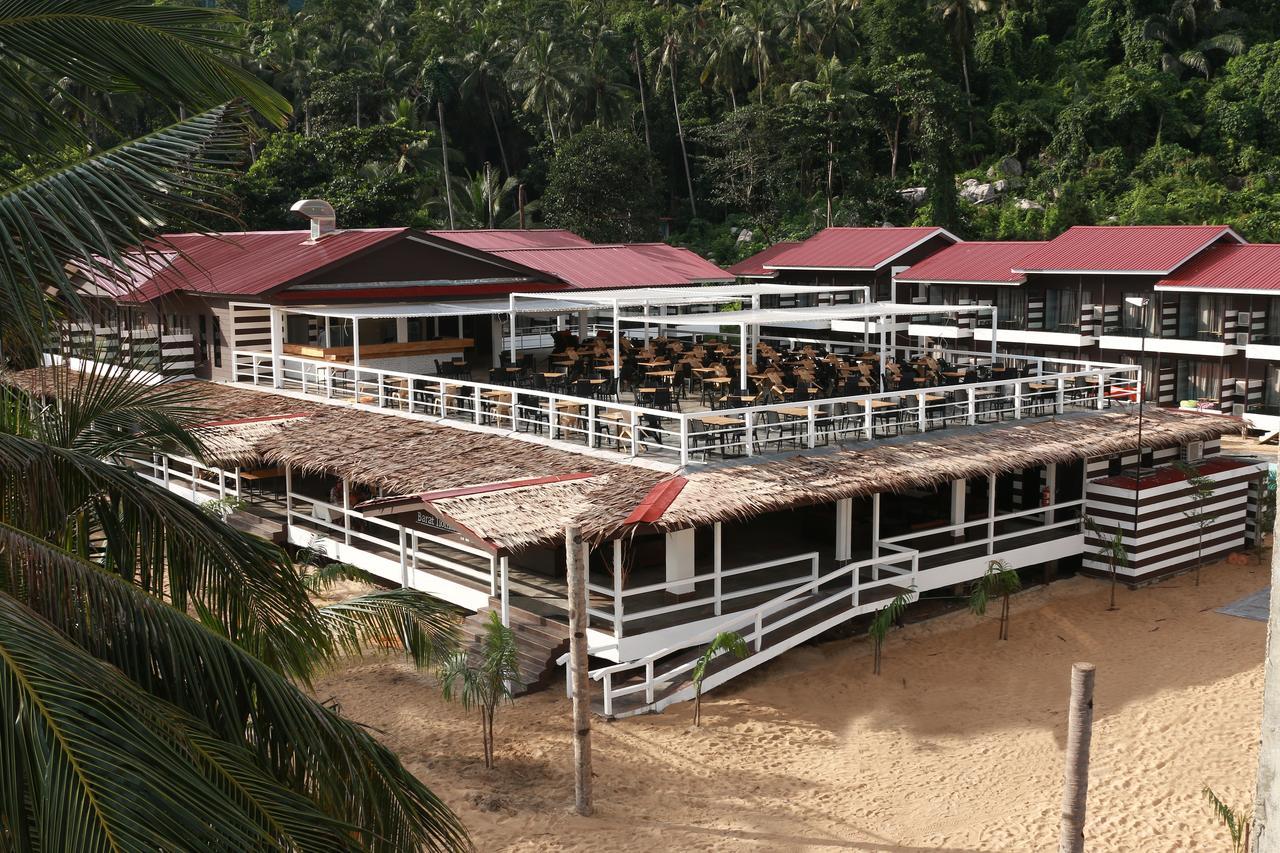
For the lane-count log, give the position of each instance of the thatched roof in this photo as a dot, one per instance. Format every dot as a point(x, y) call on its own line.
point(217, 402)
point(408, 456)
point(745, 490)
point(235, 443)
point(520, 518)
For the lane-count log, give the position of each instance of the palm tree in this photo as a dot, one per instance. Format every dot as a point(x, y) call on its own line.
point(665, 57)
point(484, 680)
point(884, 619)
point(150, 655)
point(484, 197)
point(833, 87)
point(1202, 491)
point(726, 641)
point(723, 69)
point(484, 66)
point(547, 78)
point(755, 28)
point(959, 17)
point(1000, 581)
point(1111, 548)
point(1193, 32)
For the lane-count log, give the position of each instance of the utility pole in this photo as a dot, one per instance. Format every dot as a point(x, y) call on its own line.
point(1075, 789)
point(577, 570)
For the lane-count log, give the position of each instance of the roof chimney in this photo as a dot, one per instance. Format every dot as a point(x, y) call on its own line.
point(323, 220)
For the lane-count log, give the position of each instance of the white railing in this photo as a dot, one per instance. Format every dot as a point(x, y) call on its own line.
point(758, 624)
point(634, 429)
point(992, 538)
point(183, 475)
point(352, 527)
point(618, 616)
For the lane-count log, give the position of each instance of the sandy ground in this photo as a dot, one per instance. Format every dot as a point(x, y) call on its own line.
point(956, 747)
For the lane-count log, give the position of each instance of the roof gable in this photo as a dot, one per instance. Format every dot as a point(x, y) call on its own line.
point(972, 263)
point(753, 267)
point(1128, 249)
point(1230, 268)
point(862, 249)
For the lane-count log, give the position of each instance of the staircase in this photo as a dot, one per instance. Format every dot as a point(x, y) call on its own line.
point(539, 642)
point(663, 678)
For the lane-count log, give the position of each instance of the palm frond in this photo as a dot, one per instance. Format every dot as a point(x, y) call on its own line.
point(241, 586)
point(178, 54)
point(82, 213)
point(323, 576)
point(301, 745)
point(423, 627)
point(95, 763)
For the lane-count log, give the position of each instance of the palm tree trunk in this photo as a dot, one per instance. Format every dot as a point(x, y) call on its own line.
point(551, 128)
point(831, 148)
point(444, 162)
point(497, 134)
point(357, 109)
point(1266, 798)
point(968, 93)
point(697, 704)
point(1112, 605)
point(1079, 735)
point(675, 102)
point(644, 109)
point(1004, 617)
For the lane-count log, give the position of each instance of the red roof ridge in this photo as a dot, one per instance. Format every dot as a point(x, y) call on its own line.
point(656, 501)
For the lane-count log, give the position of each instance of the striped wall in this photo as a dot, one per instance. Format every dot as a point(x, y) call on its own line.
point(1168, 385)
point(1035, 312)
point(1090, 320)
point(1169, 318)
point(1167, 537)
point(250, 327)
point(1111, 318)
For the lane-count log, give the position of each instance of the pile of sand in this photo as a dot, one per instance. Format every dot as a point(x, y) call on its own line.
point(956, 747)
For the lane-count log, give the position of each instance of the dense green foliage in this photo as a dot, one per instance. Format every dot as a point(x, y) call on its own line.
point(777, 116)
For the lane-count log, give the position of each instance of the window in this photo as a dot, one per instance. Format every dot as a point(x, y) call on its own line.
point(1199, 316)
point(1271, 390)
point(1271, 334)
point(1132, 316)
point(1197, 380)
point(1011, 308)
point(217, 341)
point(202, 347)
point(1062, 309)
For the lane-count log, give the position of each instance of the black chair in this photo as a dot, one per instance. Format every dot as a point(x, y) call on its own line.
point(662, 399)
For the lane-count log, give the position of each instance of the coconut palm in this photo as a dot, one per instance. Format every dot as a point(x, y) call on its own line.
point(547, 77)
point(959, 17)
point(1195, 33)
point(833, 87)
point(483, 680)
point(151, 655)
point(103, 568)
point(998, 581)
point(755, 27)
point(884, 619)
point(484, 196)
point(665, 57)
point(725, 642)
point(483, 62)
point(1111, 548)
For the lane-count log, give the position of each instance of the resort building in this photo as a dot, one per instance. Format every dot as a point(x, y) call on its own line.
point(777, 457)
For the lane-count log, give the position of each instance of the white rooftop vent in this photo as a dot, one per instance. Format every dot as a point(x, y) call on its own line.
point(323, 220)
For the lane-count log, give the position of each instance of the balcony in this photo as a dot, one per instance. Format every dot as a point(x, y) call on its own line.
point(1265, 347)
point(1203, 343)
point(949, 327)
point(1062, 336)
point(1016, 388)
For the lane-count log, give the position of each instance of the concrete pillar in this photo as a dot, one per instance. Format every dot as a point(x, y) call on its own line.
point(495, 338)
point(582, 325)
point(680, 561)
point(957, 506)
point(1051, 484)
point(402, 330)
point(844, 529)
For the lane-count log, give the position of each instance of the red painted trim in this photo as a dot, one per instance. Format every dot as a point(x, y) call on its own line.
point(380, 294)
point(1166, 476)
point(655, 503)
point(238, 421)
point(501, 487)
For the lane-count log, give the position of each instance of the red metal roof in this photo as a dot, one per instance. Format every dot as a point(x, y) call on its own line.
point(629, 265)
point(1150, 249)
point(854, 248)
point(1248, 267)
point(490, 239)
point(1170, 475)
point(753, 267)
point(972, 263)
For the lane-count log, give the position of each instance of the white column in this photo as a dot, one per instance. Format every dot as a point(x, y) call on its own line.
point(844, 529)
point(875, 526)
point(742, 356)
point(346, 507)
point(355, 352)
point(718, 567)
point(495, 336)
point(277, 345)
point(992, 482)
point(617, 365)
point(402, 330)
point(511, 320)
point(504, 571)
point(680, 561)
point(957, 507)
point(582, 325)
